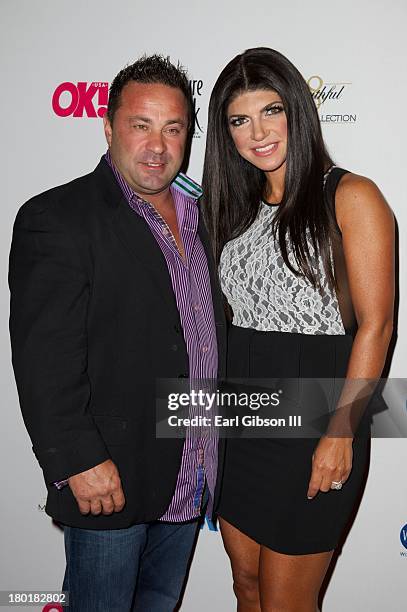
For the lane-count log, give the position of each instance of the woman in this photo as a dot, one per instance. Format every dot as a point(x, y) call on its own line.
point(305, 254)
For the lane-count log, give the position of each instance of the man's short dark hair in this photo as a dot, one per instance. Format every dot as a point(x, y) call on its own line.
point(150, 69)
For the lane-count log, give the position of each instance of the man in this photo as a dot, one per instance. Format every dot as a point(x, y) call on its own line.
point(112, 285)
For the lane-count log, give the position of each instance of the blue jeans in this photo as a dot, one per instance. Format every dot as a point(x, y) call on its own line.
point(139, 569)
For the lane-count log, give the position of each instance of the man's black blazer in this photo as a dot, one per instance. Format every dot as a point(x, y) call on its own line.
point(93, 324)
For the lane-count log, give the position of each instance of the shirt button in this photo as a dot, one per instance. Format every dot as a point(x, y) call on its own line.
point(197, 307)
point(205, 348)
point(165, 231)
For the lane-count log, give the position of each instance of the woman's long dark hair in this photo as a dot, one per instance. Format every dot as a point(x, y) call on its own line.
point(233, 187)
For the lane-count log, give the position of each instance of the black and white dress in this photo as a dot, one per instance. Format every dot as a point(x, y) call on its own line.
point(284, 328)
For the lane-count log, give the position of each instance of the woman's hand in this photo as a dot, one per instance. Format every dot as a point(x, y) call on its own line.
point(331, 462)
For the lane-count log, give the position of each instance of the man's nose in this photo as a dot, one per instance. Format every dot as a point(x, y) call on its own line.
point(156, 143)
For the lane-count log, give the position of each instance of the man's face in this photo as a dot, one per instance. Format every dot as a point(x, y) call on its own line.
point(148, 136)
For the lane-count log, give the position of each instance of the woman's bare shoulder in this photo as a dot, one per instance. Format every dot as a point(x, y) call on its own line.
point(358, 199)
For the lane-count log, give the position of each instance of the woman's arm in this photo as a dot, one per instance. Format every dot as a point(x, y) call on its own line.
point(367, 225)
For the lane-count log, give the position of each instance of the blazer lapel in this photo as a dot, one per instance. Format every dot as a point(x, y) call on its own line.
point(139, 241)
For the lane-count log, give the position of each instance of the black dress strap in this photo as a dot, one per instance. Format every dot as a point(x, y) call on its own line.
point(331, 181)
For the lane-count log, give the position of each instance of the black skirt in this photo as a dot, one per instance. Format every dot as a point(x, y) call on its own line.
point(265, 481)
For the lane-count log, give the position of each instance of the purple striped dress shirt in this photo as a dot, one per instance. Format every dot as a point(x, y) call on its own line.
point(191, 284)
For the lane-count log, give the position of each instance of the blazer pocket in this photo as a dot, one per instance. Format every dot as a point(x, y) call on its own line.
point(113, 429)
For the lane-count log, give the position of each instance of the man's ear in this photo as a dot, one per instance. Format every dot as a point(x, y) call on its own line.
point(108, 130)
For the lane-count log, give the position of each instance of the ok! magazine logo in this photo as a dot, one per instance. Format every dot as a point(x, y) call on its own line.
point(83, 99)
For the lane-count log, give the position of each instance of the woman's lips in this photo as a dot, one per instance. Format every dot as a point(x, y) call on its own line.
point(266, 150)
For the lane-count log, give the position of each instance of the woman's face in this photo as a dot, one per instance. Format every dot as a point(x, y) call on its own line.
point(258, 126)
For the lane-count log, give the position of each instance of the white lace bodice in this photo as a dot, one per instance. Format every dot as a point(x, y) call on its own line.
point(265, 294)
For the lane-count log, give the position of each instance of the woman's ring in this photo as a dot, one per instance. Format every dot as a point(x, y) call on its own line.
point(336, 484)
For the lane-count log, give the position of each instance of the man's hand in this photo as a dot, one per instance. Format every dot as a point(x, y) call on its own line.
point(331, 461)
point(98, 490)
